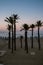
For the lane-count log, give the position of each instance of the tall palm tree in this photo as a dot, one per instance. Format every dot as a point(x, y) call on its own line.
point(25, 27)
point(39, 24)
point(9, 34)
point(15, 17)
point(10, 20)
point(32, 27)
point(21, 37)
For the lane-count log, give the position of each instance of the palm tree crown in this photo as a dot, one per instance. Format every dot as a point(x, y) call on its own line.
point(15, 17)
point(21, 37)
point(9, 20)
point(25, 26)
point(32, 26)
point(39, 23)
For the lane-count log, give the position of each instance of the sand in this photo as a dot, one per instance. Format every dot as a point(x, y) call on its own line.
point(20, 57)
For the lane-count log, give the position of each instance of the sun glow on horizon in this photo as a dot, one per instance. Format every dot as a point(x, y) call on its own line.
point(20, 22)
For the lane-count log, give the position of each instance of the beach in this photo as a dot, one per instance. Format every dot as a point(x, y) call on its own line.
point(20, 57)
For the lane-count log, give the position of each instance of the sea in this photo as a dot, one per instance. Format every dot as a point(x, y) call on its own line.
point(19, 33)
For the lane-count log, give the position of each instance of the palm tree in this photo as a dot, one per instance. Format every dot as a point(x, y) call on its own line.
point(9, 29)
point(15, 17)
point(39, 24)
point(32, 27)
point(25, 27)
point(10, 20)
point(21, 37)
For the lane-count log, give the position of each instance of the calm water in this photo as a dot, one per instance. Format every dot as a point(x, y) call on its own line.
point(18, 33)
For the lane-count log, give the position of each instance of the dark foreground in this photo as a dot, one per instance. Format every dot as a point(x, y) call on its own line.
point(20, 57)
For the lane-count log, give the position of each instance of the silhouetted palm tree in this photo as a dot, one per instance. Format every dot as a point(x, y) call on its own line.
point(9, 29)
point(21, 37)
point(39, 24)
point(10, 20)
point(15, 17)
point(26, 27)
point(32, 27)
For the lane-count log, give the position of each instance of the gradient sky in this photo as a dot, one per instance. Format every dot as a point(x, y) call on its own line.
point(29, 11)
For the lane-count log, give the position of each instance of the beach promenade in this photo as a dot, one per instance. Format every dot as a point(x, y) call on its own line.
point(20, 57)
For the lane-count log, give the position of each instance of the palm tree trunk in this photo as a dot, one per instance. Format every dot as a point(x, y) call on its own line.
point(26, 44)
point(9, 41)
point(14, 36)
point(32, 39)
point(21, 42)
point(38, 38)
point(25, 39)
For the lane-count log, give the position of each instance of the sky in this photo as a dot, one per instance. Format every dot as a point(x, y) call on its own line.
point(29, 11)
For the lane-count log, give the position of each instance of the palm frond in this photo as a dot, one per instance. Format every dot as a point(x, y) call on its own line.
point(22, 29)
point(15, 17)
point(25, 26)
point(11, 20)
point(32, 26)
point(6, 20)
point(39, 23)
